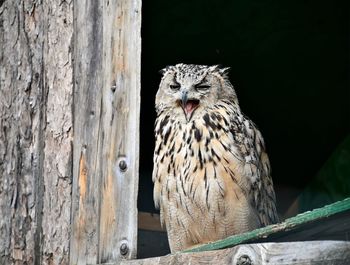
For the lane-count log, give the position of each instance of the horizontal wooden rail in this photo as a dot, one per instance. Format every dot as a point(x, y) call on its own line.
point(316, 252)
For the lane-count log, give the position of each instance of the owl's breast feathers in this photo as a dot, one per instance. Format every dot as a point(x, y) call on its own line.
point(211, 175)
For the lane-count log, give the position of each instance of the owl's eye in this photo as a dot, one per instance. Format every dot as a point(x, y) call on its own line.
point(202, 87)
point(175, 86)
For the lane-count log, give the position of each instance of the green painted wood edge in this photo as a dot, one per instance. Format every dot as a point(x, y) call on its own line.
point(289, 223)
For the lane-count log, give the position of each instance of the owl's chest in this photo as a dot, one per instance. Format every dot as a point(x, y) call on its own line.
point(201, 170)
point(195, 148)
point(198, 164)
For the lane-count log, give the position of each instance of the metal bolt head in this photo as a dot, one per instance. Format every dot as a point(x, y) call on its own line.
point(122, 165)
point(244, 260)
point(124, 249)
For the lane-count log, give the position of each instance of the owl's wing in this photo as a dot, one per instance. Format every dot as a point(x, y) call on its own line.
point(250, 147)
point(163, 155)
point(157, 165)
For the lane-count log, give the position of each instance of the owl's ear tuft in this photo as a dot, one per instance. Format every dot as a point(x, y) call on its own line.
point(224, 71)
point(214, 68)
point(165, 69)
point(162, 71)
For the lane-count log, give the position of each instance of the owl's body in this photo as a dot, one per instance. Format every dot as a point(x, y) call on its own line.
point(211, 173)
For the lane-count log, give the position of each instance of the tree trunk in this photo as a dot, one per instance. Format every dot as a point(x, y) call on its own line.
point(35, 131)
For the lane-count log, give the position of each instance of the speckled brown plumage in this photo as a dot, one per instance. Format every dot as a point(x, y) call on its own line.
point(211, 172)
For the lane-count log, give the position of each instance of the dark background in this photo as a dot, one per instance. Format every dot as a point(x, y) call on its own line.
point(289, 64)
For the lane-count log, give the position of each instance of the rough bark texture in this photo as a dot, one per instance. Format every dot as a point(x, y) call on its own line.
point(35, 131)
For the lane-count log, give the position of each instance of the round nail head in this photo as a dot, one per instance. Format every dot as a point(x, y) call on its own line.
point(124, 249)
point(122, 165)
point(244, 260)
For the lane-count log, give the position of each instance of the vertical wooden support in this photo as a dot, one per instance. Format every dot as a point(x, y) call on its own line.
point(107, 52)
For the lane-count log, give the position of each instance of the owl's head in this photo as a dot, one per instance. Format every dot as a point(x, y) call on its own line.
point(188, 89)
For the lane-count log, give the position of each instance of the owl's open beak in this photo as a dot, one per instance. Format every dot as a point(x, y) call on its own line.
point(188, 105)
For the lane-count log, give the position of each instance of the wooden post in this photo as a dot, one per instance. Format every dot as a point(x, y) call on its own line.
point(107, 52)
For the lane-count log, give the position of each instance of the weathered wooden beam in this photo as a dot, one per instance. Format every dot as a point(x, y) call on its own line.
point(107, 47)
point(120, 144)
point(301, 253)
point(87, 167)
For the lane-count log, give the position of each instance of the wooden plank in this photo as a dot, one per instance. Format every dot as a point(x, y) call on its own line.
point(329, 222)
point(121, 102)
point(302, 253)
point(107, 48)
point(88, 86)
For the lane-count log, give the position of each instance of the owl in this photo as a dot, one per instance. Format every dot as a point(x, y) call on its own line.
point(211, 172)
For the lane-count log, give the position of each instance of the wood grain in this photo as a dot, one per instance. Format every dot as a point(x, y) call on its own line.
point(87, 112)
point(35, 131)
point(301, 253)
point(107, 47)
